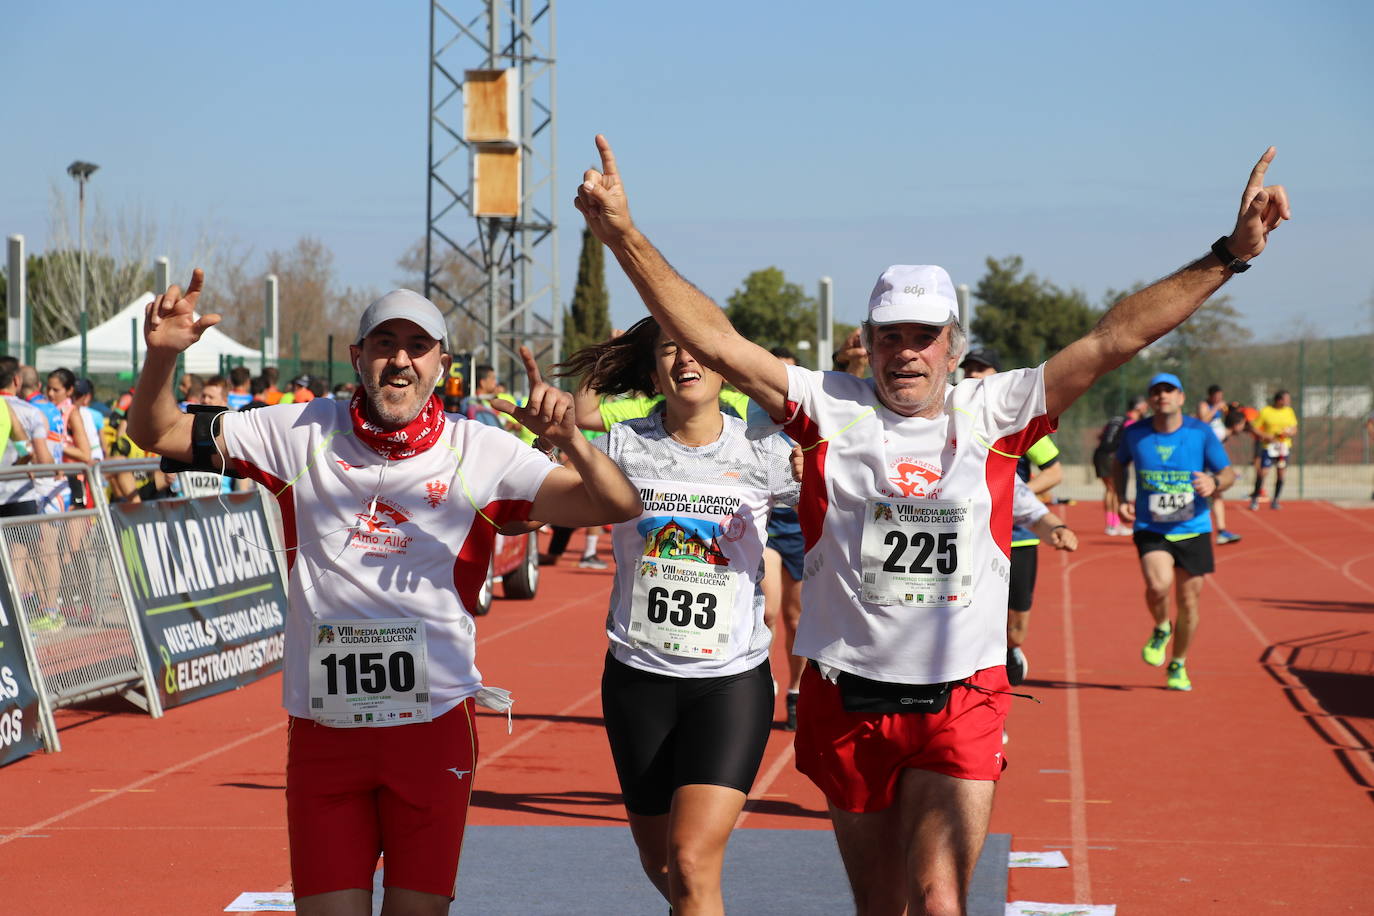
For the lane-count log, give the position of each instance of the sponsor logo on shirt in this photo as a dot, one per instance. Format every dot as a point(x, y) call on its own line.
point(913, 477)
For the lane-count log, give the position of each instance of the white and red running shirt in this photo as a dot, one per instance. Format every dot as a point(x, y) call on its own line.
point(907, 523)
point(422, 552)
point(687, 600)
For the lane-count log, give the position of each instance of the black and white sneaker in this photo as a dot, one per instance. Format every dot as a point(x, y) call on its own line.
point(1017, 666)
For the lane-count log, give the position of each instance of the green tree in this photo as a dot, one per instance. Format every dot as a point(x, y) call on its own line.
point(771, 311)
point(53, 279)
point(1025, 318)
point(588, 318)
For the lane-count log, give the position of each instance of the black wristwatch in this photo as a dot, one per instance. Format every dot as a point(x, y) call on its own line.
point(1228, 260)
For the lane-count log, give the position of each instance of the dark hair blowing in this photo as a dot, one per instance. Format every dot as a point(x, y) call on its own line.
point(622, 365)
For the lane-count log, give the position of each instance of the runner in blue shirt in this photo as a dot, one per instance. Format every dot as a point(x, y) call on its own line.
point(1179, 465)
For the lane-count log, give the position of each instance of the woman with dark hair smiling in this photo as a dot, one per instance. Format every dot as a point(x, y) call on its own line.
point(687, 693)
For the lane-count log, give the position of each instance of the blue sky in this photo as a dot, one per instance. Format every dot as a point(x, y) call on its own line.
point(1105, 143)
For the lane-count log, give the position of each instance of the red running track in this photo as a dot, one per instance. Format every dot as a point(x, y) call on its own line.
point(1244, 796)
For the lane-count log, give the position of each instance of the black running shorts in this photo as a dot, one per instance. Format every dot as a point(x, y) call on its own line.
point(667, 732)
point(1025, 562)
point(1193, 555)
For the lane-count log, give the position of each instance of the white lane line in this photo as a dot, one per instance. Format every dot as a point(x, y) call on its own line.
point(483, 640)
point(1297, 545)
point(762, 785)
point(139, 783)
point(1078, 792)
point(541, 727)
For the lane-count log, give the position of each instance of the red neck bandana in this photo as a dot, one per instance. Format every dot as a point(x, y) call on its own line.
point(412, 439)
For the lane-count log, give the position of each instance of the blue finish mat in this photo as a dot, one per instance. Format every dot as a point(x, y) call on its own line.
point(572, 871)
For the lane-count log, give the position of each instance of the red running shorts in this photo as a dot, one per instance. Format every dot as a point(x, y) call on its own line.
point(354, 793)
point(857, 758)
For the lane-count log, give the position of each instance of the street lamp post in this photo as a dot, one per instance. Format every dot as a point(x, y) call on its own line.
point(82, 172)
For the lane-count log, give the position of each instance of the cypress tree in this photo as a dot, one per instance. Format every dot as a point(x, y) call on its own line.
point(588, 319)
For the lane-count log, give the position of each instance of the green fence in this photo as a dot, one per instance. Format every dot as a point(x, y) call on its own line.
point(1332, 384)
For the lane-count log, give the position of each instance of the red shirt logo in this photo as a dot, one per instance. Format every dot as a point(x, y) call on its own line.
point(435, 493)
point(912, 479)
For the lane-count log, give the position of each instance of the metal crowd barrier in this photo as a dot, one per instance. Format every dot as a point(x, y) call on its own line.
point(68, 586)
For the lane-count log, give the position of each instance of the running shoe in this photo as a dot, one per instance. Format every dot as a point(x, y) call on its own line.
point(1226, 537)
point(1274, 504)
point(1125, 531)
point(1254, 504)
point(1017, 666)
point(49, 622)
point(1178, 677)
point(1153, 651)
point(591, 561)
point(791, 724)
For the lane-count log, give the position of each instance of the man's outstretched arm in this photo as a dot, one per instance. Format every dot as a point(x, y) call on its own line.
point(169, 327)
point(1143, 317)
point(685, 313)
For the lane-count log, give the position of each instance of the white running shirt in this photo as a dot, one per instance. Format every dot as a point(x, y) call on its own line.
point(423, 553)
point(22, 489)
point(927, 496)
point(686, 599)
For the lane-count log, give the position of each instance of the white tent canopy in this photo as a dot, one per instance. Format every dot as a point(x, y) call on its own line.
point(108, 347)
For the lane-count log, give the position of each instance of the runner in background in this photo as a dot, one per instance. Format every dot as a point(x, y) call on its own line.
point(391, 511)
point(240, 391)
point(687, 692)
point(902, 473)
point(1107, 441)
point(267, 391)
point(28, 443)
point(850, 356)
point(76, 448)
point(1213, 410)
point(1274, 429)
point(982, 363)
point(1178, 464)
point(1031, 515)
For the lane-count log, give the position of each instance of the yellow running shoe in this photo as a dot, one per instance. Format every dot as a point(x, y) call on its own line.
point(49, 622)
point(1153, 651)
point(1178, 677)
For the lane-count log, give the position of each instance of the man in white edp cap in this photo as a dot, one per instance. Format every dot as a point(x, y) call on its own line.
point(390, 509)
point(906, 508)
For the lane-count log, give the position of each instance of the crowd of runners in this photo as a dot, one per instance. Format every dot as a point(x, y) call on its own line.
point(882, 517)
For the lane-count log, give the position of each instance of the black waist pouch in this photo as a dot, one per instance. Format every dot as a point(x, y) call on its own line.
point(859, 694)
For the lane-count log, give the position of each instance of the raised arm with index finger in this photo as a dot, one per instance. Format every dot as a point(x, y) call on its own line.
point(1147, 315)
point(685, 313)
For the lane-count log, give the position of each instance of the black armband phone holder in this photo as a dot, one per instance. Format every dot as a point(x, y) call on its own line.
point(203, 449)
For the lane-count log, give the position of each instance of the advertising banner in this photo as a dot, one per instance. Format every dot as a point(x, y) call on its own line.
point(208, 591)
point(20, 729)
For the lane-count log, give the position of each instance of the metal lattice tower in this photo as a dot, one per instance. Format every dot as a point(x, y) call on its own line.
point(507, 283)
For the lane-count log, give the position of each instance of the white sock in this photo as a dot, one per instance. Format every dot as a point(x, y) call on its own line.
point(590, 549)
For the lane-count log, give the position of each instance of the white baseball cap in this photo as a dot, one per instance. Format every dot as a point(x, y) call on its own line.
point(922, 293)
point(407, 304)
